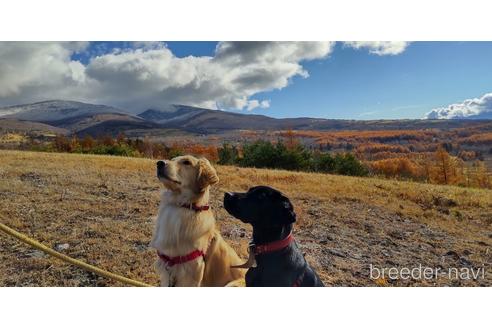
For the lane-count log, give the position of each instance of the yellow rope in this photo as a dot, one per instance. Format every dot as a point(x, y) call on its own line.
point(80, 264)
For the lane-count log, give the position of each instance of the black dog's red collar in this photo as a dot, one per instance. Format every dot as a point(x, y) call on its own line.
point(273, 246)
point(276, 246)
point(171, 261)
point(195, 207)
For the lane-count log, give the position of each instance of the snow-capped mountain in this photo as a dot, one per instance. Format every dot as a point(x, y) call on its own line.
point(173, 113)
point(88, 119)
point(55, 110)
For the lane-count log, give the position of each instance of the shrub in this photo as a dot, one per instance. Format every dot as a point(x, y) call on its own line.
point(228, 155)
point(116, 150)
point(260, 154)
point(323, 162)
point(347, 164)
point(264, 154)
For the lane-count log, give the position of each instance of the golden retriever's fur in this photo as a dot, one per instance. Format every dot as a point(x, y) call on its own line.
point(180, 231)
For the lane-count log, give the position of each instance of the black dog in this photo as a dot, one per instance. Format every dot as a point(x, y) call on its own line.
point(279, 260)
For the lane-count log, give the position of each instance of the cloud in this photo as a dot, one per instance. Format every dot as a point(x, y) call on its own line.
point(29, 70)
point(380, 48)
point(144, 75)
point(252, 104)
point(476, 107)
point(138, 76)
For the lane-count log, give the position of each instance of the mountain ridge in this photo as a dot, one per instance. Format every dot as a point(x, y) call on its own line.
point(85, 118)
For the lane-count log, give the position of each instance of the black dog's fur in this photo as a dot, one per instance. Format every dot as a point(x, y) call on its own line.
point(271, 214)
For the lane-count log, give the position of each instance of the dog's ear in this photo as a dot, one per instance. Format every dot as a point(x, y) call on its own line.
point(207, 175)
point(289, 215)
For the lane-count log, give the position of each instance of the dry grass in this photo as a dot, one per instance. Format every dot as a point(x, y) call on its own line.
point(103, 207)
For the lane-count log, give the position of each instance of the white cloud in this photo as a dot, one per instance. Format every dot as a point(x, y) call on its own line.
point(380, 48)
point(470, 107)
point(28, 70)
point(252, 104)
point(148, 75)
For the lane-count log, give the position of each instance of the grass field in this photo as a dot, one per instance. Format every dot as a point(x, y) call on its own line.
point(100, 209)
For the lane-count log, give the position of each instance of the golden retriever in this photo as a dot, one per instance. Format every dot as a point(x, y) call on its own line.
point(191, 250)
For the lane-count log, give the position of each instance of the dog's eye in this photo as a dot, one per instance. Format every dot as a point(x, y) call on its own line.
point(186, 162)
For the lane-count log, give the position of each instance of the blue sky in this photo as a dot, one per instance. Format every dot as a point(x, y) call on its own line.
point(342, 80)
point(358, 85)
point(355, 84)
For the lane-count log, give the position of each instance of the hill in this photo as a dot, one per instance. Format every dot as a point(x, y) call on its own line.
point(83, 118)
point(33, 128)
point(74, 118)
point(207, 121)
point(54, 110)
point(100, 209)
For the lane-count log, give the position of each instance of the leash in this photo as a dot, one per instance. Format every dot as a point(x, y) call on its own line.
point(100, 272)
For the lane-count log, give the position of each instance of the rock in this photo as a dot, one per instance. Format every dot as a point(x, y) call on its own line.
point(61, 247)
point(465, 262)
point(444, 202)
point(388, 242)
point(32, 177)
point(337, 253)
point(455, 256)
point(396, 234)
point(391, 263)
point(141, 246)
point(368, 228)
point(356, 256)
point(443, 210)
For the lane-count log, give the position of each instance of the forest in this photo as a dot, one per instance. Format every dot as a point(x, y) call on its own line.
point(403, 155)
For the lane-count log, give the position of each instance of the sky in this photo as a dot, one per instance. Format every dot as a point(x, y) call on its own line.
point(342, 80)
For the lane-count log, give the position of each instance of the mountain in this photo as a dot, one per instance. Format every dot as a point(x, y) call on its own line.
point(34, 128)
point(111, 124)
point(481, 116)
point(174, 113)
point(82, 118)
point(76, 117)
point(54, 110)
point(201, 120)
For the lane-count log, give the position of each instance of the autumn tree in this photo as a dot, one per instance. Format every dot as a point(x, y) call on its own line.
point(447, 169)
point(444, 166)
point(121, 138)
point(480, 176)
point(61, 143)
point(398, 167)
point(87, 143)
point(106, 140)
point(74, 144)
point(291, 141)
point(147, 148)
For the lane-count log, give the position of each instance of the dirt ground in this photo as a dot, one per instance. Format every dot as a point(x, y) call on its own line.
point(100, 209)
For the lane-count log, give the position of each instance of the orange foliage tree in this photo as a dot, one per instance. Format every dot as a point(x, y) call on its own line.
point(398, 167)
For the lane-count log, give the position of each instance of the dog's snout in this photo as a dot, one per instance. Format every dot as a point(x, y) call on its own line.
point(160, 164)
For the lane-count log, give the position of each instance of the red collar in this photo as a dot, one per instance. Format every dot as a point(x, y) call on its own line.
point(170, 261)
point(273, 246)
point(195, 207)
